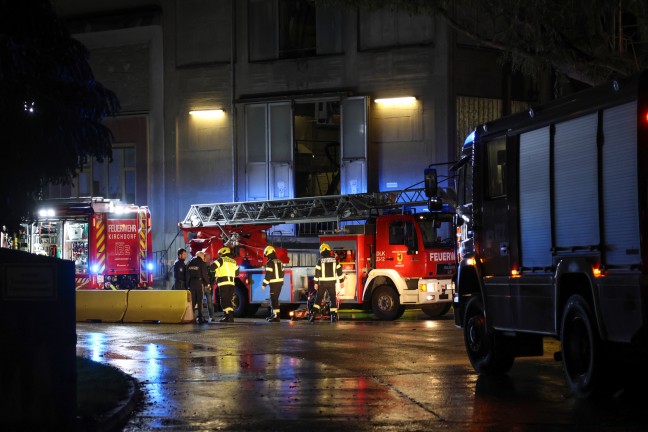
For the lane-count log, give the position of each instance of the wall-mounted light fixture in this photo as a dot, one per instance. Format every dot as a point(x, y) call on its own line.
point(208, 113)
point(396, 101)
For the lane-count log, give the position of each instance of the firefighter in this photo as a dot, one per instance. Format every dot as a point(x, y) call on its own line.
point(226, 272)
point(327, 272)
point(197, 279)
point(274, 276)
point(180, 271)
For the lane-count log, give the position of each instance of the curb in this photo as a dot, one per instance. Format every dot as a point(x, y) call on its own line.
point(115, 419)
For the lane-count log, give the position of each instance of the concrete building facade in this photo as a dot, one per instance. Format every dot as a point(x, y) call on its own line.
point(298, 89)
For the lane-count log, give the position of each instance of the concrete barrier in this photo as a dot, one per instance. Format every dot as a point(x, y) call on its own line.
point(164, 306)
point(100, 305)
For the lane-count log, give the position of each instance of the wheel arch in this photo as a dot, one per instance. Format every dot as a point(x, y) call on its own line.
point(379, 278)
point(467, 285)
point(576, 278)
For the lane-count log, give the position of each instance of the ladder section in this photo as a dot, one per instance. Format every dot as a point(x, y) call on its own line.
point(302, 210)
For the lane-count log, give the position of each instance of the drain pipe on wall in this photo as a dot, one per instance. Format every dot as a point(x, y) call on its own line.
point(232, 104)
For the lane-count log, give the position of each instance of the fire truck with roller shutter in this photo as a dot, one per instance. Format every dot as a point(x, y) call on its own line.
point(392, 258)
point(109, 241)
point(552, 205)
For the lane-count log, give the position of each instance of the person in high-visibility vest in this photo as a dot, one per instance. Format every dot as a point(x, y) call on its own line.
point(327, 273)
point(274, 277)
point(226, 272)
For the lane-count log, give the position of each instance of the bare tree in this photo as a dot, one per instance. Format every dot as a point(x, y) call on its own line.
point(51, 107)
point(590, 41)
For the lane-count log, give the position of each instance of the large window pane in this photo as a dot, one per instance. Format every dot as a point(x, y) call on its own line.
point(296, 28)
point(115, 170)
point(256, 133)
point(386, 28)
point(98, 178)
point(129, 187)
point(83, 182)
point(329, 31)
point(262, 29)
point(129, 157)
point(280, 133)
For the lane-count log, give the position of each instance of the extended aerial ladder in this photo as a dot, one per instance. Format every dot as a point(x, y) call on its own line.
point(303, 210)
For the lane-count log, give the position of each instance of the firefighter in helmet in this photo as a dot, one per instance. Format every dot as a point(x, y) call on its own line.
point(274, 276)
point(226, 272)
point(197, 278)
point(327, 273)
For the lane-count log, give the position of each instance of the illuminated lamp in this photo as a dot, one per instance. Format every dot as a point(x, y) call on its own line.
point(208, 114)
point(396, 101)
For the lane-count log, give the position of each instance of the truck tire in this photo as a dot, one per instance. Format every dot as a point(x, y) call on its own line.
point(436, 310)
point(582, 351)
point(385, 303)
point(239, 302)
point(252, 309)
point(485, 357)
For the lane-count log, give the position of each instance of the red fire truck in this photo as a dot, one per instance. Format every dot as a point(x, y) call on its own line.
point(392, 258)
point(109, 241)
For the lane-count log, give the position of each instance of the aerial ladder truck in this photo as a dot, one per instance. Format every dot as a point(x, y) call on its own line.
point(392, 256)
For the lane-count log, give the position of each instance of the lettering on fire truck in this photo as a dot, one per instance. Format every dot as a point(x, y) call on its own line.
point(442, 256)
point(123, 231)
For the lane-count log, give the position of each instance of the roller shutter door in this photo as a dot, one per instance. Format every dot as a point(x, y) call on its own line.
point(576, 188)
point(621, 212)
point(535, 202)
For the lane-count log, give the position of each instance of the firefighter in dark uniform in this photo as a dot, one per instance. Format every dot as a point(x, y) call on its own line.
point(274, 277)
point(180, 271)
point(197, 279)
point(327, 273)
point(226, 272)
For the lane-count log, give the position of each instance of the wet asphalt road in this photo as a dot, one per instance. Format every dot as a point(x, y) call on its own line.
point(358, 374)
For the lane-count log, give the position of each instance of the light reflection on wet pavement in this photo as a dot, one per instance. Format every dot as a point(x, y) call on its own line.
point(408, 375)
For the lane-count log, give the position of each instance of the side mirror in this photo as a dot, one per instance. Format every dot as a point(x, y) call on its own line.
point(431, 187)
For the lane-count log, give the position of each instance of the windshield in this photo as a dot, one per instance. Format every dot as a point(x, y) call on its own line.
point(437, 231)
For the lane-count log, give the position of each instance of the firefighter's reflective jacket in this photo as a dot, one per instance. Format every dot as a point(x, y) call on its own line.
point(328, 270)
point(274, 272)
point(226, 271)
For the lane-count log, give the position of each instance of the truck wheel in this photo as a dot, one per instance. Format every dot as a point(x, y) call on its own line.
point(483, 354)
point(239, 301)
point(582, 353)
point(385, 303)
point(436, 310)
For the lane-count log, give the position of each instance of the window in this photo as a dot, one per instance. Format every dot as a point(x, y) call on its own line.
point(403, 233)
point(464, 182)
point(496, 162)
point(292, 29)
point(387, 28)
point(110, 180)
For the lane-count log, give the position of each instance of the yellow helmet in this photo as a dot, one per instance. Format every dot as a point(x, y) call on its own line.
point(224, 251)
point(268, 250)
point(324, 247)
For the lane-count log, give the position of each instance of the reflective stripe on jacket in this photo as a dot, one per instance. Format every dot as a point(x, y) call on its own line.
point(328, 269)
point(274, 272)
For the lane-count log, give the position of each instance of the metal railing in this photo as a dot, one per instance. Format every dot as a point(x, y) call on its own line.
point(164, 262)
